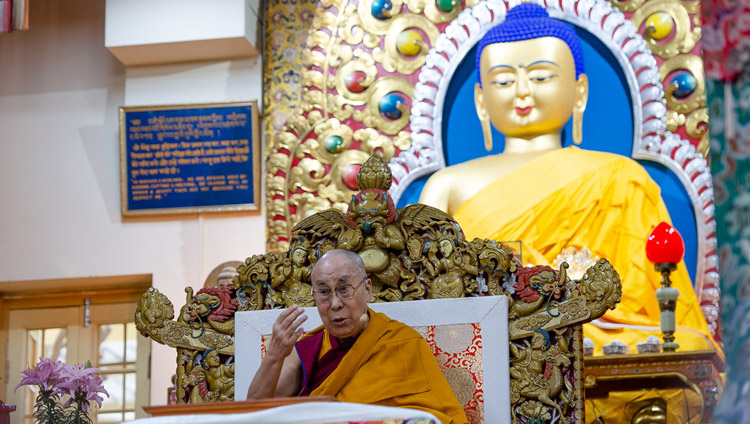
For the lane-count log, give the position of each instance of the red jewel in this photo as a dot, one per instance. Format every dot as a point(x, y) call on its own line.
point(354, 81)
point(665, 244)
point(349, 175)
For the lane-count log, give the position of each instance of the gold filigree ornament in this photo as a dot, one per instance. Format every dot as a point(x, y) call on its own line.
point(416, 6)
point(405, 45)
point(437, 15)
point(340, 55)
point(363, 65)
point(371, 140)
point(697, 127)
point(683, 39)
point(352, 31)
point(307, 204)
point(308, 175)
point(333, 139)
point(338, 107)
point(371, 115)
point(627, 5)
point(674, 120)
point(317, 38)
point(693, 65)
point(314, 57)
point(338, 191)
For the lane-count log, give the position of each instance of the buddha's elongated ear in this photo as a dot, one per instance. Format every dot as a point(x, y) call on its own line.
point(484, 116)
point(582, 97)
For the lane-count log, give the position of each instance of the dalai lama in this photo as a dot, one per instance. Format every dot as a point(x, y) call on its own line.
point(357, 355)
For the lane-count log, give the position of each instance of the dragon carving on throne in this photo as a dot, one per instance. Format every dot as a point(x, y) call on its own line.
point(414, 253)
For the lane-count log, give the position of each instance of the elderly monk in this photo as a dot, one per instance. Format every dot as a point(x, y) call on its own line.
point(357, 355)
point(531, 81)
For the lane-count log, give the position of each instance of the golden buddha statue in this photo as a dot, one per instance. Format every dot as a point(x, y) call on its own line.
point(531, 81)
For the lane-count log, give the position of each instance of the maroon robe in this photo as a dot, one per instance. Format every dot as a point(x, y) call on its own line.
point(315, 370)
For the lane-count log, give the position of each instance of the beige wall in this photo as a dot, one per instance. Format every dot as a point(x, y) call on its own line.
point(59, 162)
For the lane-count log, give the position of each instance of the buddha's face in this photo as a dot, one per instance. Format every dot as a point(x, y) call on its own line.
point(529, 87)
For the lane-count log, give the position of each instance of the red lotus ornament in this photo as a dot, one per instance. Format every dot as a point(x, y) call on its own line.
point(665, 244)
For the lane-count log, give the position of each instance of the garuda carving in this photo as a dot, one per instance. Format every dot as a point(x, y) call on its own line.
point(417, 252)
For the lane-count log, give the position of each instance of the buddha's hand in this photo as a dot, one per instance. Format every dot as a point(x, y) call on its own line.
point(286, 332)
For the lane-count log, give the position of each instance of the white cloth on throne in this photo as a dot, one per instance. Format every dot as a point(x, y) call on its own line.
point(301, 413)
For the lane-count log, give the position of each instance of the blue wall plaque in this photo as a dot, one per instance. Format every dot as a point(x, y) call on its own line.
point(189, 158)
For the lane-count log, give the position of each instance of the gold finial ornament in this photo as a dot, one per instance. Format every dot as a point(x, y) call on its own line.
point(374, 174)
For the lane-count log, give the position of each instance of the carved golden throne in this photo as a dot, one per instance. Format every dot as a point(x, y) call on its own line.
point(413, 253)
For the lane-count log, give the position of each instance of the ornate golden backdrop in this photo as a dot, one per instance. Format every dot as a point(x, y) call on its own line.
point(347, 91)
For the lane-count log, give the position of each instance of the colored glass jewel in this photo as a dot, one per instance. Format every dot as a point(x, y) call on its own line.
point(353, 81)
point(685, 83)
point(665, 244)
point(392, 105)
point(446, 5)
point(381, 9)
point(659, 25)
point(334, 144)
point(409, 43)
point(349, 175)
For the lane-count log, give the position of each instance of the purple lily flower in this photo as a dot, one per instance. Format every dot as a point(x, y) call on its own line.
point(81, 383)
point(46, 374)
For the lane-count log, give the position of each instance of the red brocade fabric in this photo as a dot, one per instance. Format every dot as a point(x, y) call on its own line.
point(458, 350)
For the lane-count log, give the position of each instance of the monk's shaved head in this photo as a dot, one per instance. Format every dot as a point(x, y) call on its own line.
point(341, 256)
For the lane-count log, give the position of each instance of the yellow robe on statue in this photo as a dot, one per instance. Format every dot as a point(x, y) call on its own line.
point(391, 364)
point(602, 201)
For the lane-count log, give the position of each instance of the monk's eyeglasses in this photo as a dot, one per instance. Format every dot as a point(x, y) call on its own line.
point(344, 292)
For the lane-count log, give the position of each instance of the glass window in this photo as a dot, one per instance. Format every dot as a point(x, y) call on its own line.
point(117, 355)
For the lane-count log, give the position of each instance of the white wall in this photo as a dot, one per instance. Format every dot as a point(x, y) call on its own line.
point(59, 163)
point(159, 21)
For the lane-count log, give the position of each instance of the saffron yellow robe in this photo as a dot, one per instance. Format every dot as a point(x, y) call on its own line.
point(602, 201)
point(391, 364)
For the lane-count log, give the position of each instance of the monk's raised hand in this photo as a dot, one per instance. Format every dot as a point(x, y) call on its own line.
point(286, 331)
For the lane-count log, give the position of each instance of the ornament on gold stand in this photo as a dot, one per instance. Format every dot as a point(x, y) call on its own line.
point(665, 249)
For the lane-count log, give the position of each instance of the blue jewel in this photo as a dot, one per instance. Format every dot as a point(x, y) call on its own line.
point(392, 105)
point(685, 83)
point(381, 9)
